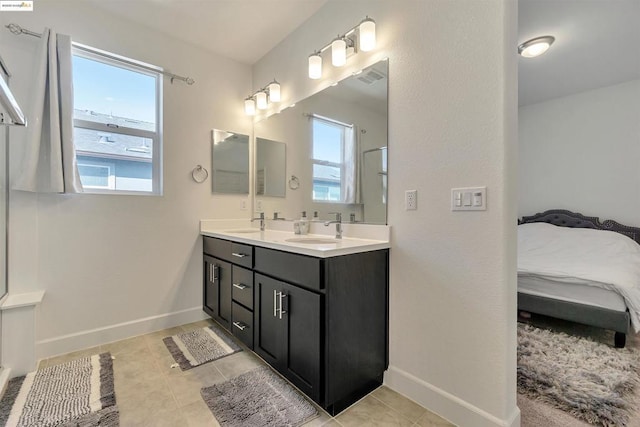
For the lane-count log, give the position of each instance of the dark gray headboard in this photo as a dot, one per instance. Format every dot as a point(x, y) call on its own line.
point(563, 218)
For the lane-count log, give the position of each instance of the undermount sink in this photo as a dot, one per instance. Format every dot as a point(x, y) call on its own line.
point(312, 240)
point(248, 230)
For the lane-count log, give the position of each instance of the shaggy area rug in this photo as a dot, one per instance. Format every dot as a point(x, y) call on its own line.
point(194, 348)
point(77, 393)
point(258, 398)
point(590, 380)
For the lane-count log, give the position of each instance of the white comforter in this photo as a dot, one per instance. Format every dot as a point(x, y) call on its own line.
point(581, 255)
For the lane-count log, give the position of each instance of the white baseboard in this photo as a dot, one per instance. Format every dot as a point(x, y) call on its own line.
point(94, 337)
point(448, 406)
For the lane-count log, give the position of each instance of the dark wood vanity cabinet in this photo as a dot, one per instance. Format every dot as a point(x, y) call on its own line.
point(287, 332)
point(321, 322)
point(217, 290)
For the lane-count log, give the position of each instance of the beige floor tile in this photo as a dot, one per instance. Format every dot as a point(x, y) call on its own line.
point(372, 412)
point(429, 419)
point(163, 417)
point(42, 363)
point(186, 388)
point(321, 420)
point(56, 360)
point(198, 414)
point(237, 364)
point(124, 346)
point(159, 335)
point(396, 401)
point(332, 423)
point(197, 325)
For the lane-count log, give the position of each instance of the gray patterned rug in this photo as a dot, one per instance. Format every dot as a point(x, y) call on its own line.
point(191, 349)
point(258, 398)
point(78, 393)
point(590, 380)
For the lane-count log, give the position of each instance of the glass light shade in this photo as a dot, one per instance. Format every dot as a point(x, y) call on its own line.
point(338, 52)
point(249, 107)
point(535, 47)
point(261, 100)
point(367, 35)
point(274, 91)
point(315, 66)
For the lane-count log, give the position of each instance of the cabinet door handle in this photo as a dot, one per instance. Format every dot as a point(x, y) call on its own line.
point(236, 254)
point(282, 296)
point(214, 269)
point(240, 286)
point(240, 326)
point(275, 303)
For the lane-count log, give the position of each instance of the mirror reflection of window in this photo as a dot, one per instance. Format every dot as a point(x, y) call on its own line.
point(332, 151)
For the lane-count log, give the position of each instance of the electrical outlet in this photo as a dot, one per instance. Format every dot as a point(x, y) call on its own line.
point(259, 206)
point(411, 200)
point(243, 205)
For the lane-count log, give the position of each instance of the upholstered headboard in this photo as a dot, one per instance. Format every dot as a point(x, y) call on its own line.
point(564, 218)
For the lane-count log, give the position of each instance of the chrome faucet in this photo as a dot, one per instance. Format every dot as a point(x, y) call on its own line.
point(337, 222)
point(277, 218)
point(261, 218)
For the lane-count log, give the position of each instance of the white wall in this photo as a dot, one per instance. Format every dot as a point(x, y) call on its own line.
point(115, 266)
point(582, 153)
point(452, 123)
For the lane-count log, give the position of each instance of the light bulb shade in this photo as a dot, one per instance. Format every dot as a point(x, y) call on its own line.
point(261, 100)
point(535, 47)
point(338, 52)
point(249, 107)
point(274, 91)
point(367, 34)
point(315, 66)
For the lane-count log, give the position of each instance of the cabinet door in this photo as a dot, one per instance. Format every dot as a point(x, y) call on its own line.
point(269, 331)
point(217, 290)
point(302, 316)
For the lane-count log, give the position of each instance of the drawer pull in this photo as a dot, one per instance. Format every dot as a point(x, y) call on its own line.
point(236, 254)
point(282, 296)
point(240, 326)
point(240, 286)
point(275, 303)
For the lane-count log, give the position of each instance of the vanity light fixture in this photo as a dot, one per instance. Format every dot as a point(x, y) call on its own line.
point(261, 98)
point(363, 35)
point(535, 47)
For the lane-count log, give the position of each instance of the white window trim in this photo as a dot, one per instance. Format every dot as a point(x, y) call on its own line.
point(157, 159)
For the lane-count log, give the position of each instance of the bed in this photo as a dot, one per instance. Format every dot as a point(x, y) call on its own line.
point(546, 288)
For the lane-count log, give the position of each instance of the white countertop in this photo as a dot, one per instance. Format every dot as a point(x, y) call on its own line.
point(242, 231)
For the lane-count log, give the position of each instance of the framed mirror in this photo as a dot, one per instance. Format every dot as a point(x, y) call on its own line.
point(336, 148)
point(271, 161)
point(230, 162)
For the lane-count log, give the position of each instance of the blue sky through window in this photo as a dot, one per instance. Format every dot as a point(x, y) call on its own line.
point(114, 91)
point(327, 141)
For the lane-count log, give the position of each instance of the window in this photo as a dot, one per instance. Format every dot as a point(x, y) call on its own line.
point(331, 142)
point(117, 122)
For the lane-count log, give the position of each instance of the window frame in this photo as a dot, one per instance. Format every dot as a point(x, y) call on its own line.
point(343, 129)
point(156, 160)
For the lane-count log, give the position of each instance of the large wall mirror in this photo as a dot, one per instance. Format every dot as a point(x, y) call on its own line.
point(336, 151)
point(271, 159)
point(230, 162)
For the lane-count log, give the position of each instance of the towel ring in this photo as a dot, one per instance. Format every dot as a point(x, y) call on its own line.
point(294, 182)
point(200, 174)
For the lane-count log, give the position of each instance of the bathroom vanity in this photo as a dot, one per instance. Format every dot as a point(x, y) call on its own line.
point(314, 308)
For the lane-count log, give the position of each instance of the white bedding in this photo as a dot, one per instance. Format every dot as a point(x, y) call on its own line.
point(582, 256)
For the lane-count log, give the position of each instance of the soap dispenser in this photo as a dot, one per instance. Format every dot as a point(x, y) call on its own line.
point(304, 223)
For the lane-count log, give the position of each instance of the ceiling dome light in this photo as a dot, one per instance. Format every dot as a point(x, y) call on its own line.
point(367, 34)
point(535, 47)
point(315, 66)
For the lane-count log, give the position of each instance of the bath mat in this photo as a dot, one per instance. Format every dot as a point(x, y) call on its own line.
point(76, 393)
point(258, 398)
point(590, 380)
point(194, 348)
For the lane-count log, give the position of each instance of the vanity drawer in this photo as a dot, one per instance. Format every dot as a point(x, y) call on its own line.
point(242, 254)
point(236, 253)
point(242, 324)
point(242, 290)
point(293, 268)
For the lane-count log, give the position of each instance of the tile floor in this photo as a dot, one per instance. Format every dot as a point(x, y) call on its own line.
point(151, 393)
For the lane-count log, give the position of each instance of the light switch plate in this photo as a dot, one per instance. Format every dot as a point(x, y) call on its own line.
point(469, 199)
